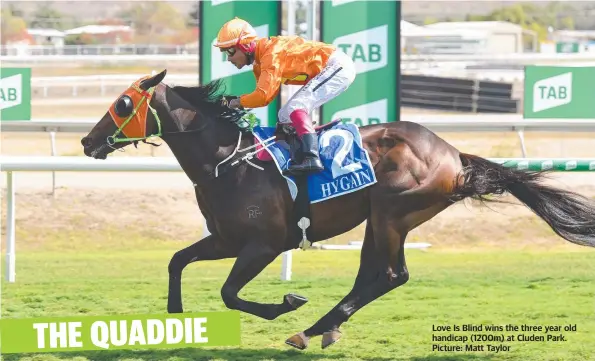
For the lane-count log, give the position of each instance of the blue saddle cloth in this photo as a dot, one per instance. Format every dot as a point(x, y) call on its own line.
point(347, 165)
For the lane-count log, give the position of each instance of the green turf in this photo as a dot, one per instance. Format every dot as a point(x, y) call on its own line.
point(446, 288)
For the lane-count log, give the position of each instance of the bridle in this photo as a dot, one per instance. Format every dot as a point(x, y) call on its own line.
point(147, 96)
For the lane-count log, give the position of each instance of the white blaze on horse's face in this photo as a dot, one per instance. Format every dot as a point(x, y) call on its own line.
point(125, 120)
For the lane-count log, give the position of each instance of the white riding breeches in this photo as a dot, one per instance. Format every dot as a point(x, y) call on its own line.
point(334, 79)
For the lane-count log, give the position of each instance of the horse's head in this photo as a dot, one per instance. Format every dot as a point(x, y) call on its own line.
point(127, 119)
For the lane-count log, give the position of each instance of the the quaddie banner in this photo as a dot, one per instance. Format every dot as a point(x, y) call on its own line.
point(118, 332)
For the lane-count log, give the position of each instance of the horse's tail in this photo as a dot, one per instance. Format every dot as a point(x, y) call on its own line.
point(570, 215)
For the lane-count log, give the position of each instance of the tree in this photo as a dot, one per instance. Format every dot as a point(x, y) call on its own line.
point(532, 17)
point(193, 16)
point(430, 20)
point(301, 14)
point(154, 22)
point(47, 17)
point(15, 11)
point(12, 28)
point(567, 22)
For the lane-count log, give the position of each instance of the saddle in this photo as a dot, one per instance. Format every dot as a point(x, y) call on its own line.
point(301, 212)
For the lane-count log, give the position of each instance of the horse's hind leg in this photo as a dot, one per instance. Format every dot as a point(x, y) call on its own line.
point(252, 259)
point(390, 225)
point(381, 278)
point(367, 273)
point(203, 250)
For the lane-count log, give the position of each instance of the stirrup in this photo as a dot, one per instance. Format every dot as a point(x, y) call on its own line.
point(304, 223)
point(311, 161)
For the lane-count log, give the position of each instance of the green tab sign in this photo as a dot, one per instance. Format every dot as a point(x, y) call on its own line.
point(559, 92)
point(265, 17)
point(15, 93)
point(368, 31)
point(119, 332)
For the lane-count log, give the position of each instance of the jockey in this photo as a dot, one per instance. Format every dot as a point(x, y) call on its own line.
point(323, 70)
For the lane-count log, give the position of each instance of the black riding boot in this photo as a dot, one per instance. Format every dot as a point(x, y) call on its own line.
point(311, 162)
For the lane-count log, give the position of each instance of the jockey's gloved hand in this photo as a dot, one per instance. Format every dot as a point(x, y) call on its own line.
point(234, 104)
point(228, 98)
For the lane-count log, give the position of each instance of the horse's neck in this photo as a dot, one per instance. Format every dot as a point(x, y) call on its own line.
point(199, 153)
point(198, 141)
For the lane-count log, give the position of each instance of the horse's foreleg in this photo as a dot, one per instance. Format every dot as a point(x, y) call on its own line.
point(203, 250)
point(252, 259)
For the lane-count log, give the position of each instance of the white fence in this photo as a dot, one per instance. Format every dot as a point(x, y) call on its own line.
point(113, 164)
point(438, 123)
point(56, 164)
point(102, 49)
point(119, 59)
point(434, 122)
point(517, 58)
point(102, 81)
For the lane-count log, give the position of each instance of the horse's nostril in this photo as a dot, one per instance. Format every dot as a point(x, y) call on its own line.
point(86, 142)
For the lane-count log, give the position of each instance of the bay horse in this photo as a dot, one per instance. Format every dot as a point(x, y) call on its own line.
point(418, 176)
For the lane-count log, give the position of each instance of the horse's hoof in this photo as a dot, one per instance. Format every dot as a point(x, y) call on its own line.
point(295, 301)
point(299, 341)
point(329, 338)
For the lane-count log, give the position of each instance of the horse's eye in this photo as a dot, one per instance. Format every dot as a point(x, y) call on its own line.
point(124, 106)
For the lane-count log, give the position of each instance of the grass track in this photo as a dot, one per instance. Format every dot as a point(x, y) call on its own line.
point(531, 287)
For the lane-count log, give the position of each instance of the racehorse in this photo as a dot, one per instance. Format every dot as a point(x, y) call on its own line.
point(418, 176)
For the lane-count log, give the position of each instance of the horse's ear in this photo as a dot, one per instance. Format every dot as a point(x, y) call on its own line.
point(153, 81)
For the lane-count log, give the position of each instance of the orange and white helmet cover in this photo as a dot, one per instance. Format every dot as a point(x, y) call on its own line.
point(236, 33)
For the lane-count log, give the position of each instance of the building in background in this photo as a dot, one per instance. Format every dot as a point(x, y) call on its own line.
point(101, 34)
point(426, 40)
point(569, 41)
point(476, 37)
point(50, 37)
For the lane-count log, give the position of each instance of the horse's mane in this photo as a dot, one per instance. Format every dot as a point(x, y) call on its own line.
point(209, 98)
